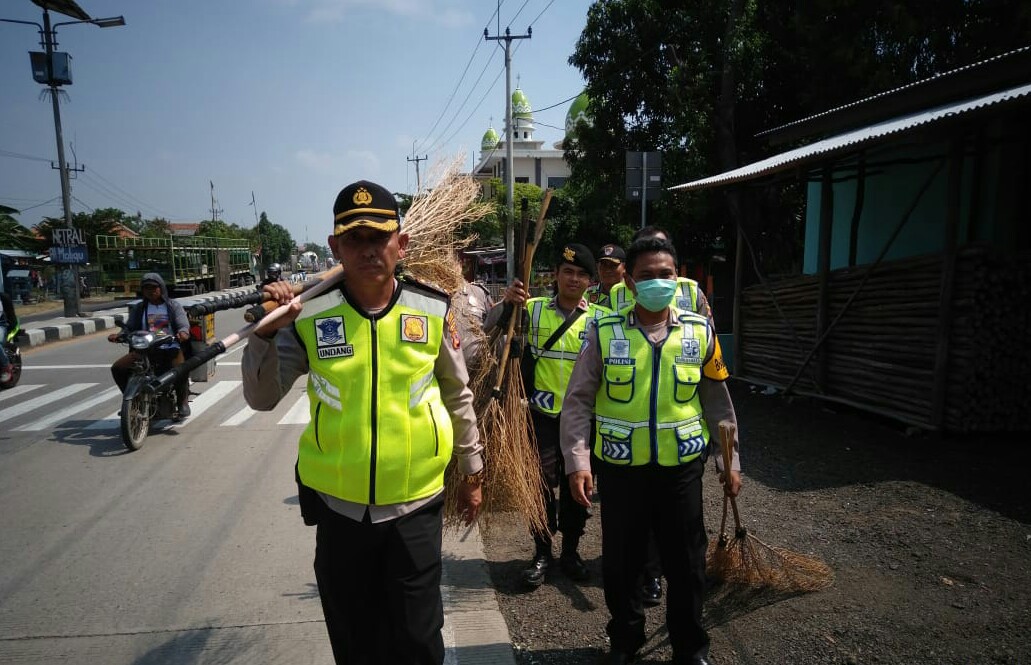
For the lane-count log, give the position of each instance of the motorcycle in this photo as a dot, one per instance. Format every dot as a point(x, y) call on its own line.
point(142, 402)
point(14, 356)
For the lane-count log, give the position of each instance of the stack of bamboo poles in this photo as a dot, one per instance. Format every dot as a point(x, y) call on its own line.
point(881, 353)
point(989, 386)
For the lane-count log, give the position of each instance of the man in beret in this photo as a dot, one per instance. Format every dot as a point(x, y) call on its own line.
point(610, 273)
point(555, 329)
point(389, 403)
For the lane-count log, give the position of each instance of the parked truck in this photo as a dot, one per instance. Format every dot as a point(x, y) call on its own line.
point(189, 264)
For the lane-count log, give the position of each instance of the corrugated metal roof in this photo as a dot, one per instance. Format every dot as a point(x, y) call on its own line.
point(855, 138)
point(893, 91)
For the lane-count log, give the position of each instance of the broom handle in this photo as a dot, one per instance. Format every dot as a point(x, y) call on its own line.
point(723, 522)
point(527, 266)
point(727, 432)
point(270, 305)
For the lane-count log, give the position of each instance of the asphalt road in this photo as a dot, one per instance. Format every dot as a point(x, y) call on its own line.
point(189, 550)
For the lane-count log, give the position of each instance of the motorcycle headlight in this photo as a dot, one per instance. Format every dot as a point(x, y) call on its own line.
point(141, 341)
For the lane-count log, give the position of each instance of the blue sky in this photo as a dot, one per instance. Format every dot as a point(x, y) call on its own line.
point(288, 99)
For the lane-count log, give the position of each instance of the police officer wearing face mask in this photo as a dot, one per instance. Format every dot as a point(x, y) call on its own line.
point(652, 379)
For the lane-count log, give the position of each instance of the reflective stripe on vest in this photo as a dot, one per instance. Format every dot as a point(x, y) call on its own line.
point(685, 298)
point(647, 410)
point(555, 365)
point(379, 432)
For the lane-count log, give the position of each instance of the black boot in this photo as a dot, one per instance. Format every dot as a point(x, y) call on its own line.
point(570, 562)
point(533, 575)
point(651, 591)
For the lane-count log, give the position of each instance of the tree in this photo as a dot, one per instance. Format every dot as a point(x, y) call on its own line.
point(156, 228)
point(15, 236)
point(274, 242)
point(698, 81)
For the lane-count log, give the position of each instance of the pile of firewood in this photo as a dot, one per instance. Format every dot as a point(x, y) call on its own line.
point(880, 355)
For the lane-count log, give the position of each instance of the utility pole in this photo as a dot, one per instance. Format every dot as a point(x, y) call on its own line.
point(72, 303)
point(215, 210)
point(418, 181)
point(509, 170)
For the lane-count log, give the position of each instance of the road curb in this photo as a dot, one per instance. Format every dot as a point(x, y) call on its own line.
point(67, 327)
point(474, 628)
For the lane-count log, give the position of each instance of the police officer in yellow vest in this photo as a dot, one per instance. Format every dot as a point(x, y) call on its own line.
point(555, 331)
point(610, 273)
point(389, 405)
point(688, 297)
point(651, 378)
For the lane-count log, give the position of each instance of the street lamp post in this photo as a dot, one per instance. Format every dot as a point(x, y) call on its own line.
point(48, 33)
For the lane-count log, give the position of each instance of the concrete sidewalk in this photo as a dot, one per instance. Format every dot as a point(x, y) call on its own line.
point(474, 628)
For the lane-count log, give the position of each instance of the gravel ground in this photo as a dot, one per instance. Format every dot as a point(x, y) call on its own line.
point(930, 541)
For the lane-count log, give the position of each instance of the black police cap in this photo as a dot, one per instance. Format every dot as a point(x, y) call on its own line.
point(367, 204)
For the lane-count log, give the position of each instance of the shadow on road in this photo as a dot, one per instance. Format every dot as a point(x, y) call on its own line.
point(802, 445)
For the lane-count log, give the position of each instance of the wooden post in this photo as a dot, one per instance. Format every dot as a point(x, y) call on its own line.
point(941, 359)
point(823, 267)
point(739, 272)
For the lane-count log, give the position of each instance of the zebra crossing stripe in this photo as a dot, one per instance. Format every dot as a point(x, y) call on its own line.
point(208, 398)
point(299, 413)
point(241, 416)
point(31, 405)
point(68, 412)
point(18, 390)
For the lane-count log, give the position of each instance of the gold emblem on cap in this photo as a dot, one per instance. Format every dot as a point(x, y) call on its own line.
point(569, 254)
point(362, 197)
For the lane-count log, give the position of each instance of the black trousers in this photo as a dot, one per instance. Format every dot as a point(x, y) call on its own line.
point(668, 502)
point(565, 514)
point(380, 587)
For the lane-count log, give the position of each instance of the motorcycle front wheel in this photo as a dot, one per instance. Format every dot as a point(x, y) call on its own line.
point(15, 359)
point(135, 420)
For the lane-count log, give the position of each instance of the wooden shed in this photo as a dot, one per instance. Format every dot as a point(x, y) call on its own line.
point(914, 298)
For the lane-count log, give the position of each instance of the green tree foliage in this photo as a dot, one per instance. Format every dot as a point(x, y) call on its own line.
point(273, 241)
point(697, 81)
point(155, 228)
point(15, 236)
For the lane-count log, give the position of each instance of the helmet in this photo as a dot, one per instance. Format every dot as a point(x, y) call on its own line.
point(274, 271)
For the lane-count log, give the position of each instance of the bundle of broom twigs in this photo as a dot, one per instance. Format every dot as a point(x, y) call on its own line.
point(747, 561)
point(511, 472)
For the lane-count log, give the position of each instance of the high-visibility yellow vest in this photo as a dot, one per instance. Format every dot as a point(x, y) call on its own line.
point(555, 365)
point(379, 432)
point(647, 410)
point(685, 298)
point(595, 295)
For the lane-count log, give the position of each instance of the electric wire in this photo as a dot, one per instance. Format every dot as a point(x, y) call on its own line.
point(438, 143)
point(461, 78)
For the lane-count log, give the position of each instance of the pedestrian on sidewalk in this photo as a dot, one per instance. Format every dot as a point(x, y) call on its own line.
point(651, 379)
point(389, 402)
point(555, 328)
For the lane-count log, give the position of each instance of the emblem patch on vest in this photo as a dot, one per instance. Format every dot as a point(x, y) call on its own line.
point(684, 303)
point(690, 352)
point(330, 338)
point(619, 348)
point(414, 328)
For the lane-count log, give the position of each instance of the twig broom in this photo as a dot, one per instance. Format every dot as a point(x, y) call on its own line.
point(746, 560)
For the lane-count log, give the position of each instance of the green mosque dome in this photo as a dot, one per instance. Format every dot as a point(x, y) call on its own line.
point(521, 105)
point(490, 139)
point(578, 111)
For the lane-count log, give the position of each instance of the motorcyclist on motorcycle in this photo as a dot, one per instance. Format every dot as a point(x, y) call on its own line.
point(8, 321)
point(273, 274)
point(158, 313)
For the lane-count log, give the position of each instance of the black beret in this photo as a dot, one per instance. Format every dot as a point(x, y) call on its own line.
point(365, 203)
point(578, 255)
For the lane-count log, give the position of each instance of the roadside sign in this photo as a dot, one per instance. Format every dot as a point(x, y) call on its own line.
point(74, 254)
point(65, 237)
point(643, 176)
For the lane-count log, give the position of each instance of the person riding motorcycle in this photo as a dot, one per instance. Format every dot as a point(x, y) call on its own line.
point(273, 274)
point(160, 314)
point(8, 321)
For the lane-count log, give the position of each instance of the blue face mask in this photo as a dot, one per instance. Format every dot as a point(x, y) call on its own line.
point(656, 294)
